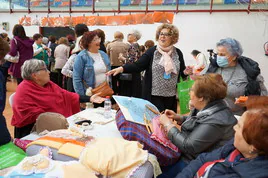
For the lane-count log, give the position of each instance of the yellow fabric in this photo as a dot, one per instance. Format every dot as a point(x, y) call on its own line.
point(71, 149)
point(153, 160)
point(77, 170)
point(114, 157)
point(49, 143)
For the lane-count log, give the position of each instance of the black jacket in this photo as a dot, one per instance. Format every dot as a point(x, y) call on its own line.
point(205, 130)
point(252, 70)
point(145, 63)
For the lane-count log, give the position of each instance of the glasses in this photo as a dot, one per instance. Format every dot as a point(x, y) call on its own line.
point(96, 39)
point(165, 34)
point(45, 69)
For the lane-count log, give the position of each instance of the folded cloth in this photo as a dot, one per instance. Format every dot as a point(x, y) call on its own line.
point(21, 143)
point(160, 136)
point(114, 157)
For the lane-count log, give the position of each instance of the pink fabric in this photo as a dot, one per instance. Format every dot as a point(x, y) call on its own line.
point(160, 136)
point(166, 61)
point(21, 143)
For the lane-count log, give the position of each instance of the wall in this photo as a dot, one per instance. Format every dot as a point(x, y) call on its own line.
point(197, 31)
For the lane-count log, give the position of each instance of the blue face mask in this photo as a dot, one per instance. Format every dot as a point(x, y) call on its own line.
point(222, 61)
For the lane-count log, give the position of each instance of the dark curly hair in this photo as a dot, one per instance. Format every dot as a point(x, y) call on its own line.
point(87, 38)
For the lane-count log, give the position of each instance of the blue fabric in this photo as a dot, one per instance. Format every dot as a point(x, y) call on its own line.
point(15, 174)
point(257, 168)
point(84, 71)
point(173, 170)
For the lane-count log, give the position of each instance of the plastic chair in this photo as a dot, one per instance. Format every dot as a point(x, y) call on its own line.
point(11, 99)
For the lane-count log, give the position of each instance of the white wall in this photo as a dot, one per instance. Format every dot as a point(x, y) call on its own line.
point(197, 31)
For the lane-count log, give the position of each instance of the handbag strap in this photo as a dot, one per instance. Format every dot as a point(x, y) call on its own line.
point(85, 84)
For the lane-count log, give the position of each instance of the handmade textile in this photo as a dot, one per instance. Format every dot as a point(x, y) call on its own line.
point(114, 157)
point(71, 150)
point(136, 132)
point(160, 136)
point(21, 143)
point(31, 100)
point(77, 170)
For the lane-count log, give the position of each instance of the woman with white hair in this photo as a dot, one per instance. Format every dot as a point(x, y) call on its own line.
point(37, 94)
point(241, 74)
point(164, 65)
point(130, 84)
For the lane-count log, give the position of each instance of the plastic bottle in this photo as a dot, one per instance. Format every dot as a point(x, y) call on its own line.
point(107, 107)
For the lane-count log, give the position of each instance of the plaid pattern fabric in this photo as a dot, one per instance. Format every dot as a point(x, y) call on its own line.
point(136, 132)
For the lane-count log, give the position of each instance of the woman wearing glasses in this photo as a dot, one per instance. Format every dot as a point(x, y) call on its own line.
point(37, 94)
point(164, 65)
point(90, 65)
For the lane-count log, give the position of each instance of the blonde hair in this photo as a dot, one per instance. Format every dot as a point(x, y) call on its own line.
point(63, 40)
point(173, 30)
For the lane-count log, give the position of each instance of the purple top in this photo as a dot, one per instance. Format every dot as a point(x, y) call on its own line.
point(25, 49)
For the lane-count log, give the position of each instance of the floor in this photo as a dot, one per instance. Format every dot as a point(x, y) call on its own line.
point(11, 88)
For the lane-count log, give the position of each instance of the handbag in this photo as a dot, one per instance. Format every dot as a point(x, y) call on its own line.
point(104, 89)
point(13, 59)
point(125, 76)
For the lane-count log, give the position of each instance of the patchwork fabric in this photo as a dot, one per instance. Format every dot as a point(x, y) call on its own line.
point(136, 132)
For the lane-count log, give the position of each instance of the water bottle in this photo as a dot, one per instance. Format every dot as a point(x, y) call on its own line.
point(107, 107)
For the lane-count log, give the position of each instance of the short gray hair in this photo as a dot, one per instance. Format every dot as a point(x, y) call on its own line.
point(233, 46)
point(136, 33)
point(31, 66)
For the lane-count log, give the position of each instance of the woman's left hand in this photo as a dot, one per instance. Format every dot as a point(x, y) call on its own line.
point(96, 98)
point(164, 120)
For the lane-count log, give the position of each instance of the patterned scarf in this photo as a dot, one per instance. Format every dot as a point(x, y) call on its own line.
point(166, 60)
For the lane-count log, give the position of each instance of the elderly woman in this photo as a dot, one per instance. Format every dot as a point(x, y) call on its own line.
point(209, 125)
point(37, 94)
point(201, 65)
point(5, 136)
point(22, 45)
point(245, 156)
point(90, 65)
point(164, 65)
point(241, 74)
point(41, 51)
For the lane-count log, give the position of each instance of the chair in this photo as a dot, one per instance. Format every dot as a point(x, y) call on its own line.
point(11, 99)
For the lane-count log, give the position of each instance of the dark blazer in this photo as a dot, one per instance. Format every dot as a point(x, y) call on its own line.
point(145, 63)
point(205, 130)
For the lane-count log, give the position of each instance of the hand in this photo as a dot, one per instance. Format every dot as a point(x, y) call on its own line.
point(170, 114)
point(188, 70)
point(164, 120)
point(45, 48)
point(115, 71)
point(96, 98)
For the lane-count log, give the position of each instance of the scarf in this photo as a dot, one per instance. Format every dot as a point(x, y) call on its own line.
point(31, 100)
point(166, 60)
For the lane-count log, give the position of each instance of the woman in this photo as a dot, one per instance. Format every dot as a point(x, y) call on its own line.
point(67, 69)
point(164, 65)
point(23, 45)
point(209, 125)
point(245, 156)
point(90, 65)
point(5, 136)
point(61, 55)
point(101, 35)
point(37, 94)
point(41, 51)
point(201, 63)
point(130, 84)
point(241, 74)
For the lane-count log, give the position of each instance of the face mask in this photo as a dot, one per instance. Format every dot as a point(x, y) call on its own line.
point(222, 61)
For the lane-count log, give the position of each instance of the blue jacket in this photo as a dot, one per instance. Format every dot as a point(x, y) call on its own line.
point(255, 168)
point(84, 71)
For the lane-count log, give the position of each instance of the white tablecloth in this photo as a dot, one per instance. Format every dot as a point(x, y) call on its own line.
point(107, 130)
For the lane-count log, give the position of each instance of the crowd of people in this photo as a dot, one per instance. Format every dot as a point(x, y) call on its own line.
point(211, 140)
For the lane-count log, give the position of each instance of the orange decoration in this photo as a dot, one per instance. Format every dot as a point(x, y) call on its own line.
point(148, 19)
point(58, 22)
point(129, 20)
point(68, 21)
point(101, 20)
point(91, 20)
point(25, 21)
point(114, 20)
point(163, 17)
point(138, 18)
point(47, 22)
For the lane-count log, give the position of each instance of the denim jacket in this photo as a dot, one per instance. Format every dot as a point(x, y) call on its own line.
point(84, 71)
